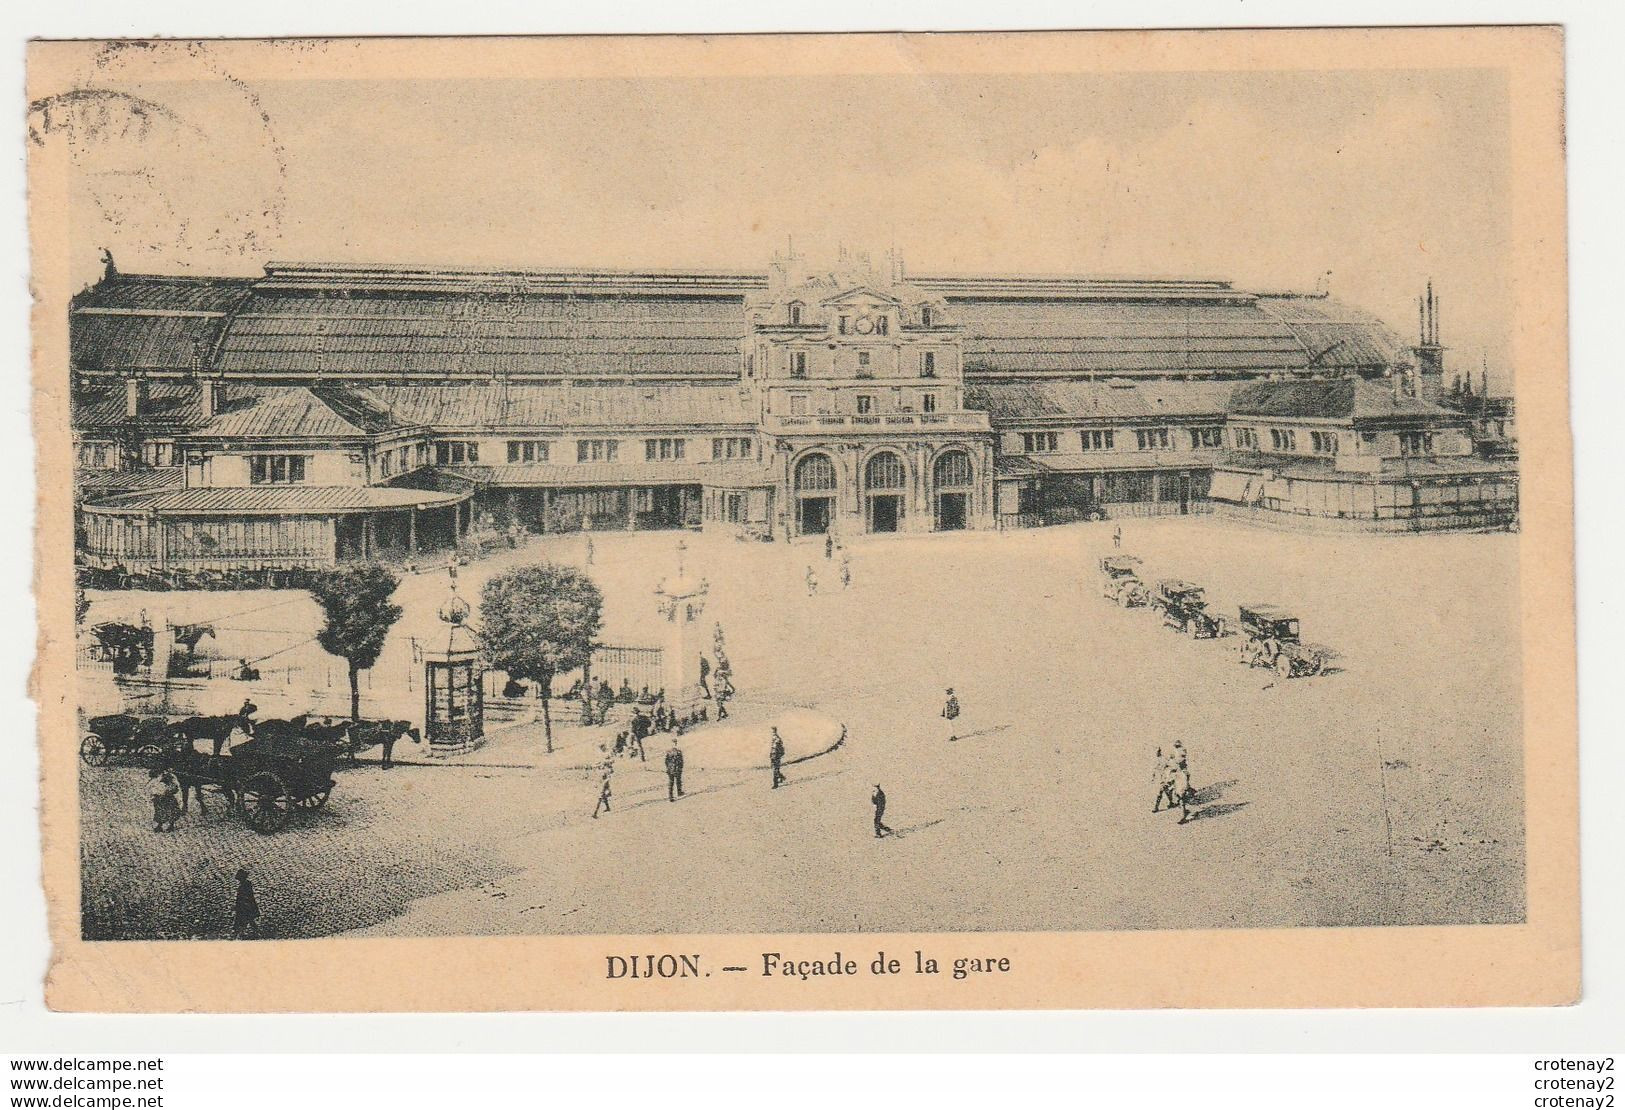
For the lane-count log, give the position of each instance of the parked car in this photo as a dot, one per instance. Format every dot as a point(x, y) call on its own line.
point(1120, 581)
point(1184, 606)
point(1271, 638)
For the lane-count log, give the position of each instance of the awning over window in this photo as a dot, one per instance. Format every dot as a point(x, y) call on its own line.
point(1230, 486)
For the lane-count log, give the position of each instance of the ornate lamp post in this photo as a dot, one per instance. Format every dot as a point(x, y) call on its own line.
point(681, 602)
point(454, 683)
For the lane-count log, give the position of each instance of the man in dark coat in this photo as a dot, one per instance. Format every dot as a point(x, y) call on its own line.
point(775, 757)
point(245, 918)
point(674, 773)
point(641, 728)
point(705, 676)
point(879, 800)
point(950, 713)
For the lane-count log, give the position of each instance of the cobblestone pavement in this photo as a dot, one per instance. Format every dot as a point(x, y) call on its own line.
point(1388, 792)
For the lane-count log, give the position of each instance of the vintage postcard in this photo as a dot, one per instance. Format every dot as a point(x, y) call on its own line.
point(883, 522)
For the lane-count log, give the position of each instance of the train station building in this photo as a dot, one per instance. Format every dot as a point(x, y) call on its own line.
point(323, 413)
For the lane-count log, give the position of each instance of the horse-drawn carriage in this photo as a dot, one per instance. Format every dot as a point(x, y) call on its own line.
point(123, 734)
point(266, 778)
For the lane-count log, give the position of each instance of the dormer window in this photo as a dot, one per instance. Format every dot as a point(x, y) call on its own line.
point(926, 315)
point(795, 313)
point(882, 324)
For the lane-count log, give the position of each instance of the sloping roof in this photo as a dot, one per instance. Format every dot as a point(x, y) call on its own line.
point(100, 483)
point(323, 412)
point(1016, 402)
point(494, 405)
point(1347, 399)
point(253, 500)
point(169, 406)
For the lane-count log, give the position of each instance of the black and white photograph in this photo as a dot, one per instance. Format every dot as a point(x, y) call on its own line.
point(542, 503)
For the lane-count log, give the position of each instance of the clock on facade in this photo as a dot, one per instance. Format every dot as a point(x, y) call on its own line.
point(864, 324)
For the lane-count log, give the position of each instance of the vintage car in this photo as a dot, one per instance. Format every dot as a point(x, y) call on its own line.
point(1120, 581)
point(1270, 638)
point(1184, 606)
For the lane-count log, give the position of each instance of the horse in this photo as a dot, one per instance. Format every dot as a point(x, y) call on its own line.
point(335, 737)
point(364, 734)
point(217, 729)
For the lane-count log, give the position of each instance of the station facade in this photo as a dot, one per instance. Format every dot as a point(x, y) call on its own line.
point(324, 413)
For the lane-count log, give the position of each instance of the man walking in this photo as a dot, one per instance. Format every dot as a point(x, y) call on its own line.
point(775, 756)
point(705, 676)
point(950, 713)
point(674, 772)
point(846, 570)
point(245, 918)
point(812, 582)
point(829, 545)
point(641, 728)
point(1167, 777)
point(879, 800)
point(603, 789)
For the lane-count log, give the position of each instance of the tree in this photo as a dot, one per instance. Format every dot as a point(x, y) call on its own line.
point(356, 602)
point(539, 621)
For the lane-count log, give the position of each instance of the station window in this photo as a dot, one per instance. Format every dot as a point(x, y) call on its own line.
point(1283, 439)
point(926, 315)
point(527, 450)
point(1415, 443)
point(798, 404)
point(597, 450)
point(1035, 442)
point(731, 447)
point(1207, 437)
point(1246, 439)
point(928, 364)
point(866, 403)
point(453, 452)
point(863, 365)
point(1100, 439)
point(265, 470)
point(664, 450)
point(159, 454)
point(1323, 443)
point(928, 402)
point(1152, 439)
point(798, 364)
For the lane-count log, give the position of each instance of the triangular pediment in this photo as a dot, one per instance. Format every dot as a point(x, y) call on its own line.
point(861, 292)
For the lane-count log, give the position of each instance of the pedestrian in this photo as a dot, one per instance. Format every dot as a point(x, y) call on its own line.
point(812, 582)
point(674, 772)
point(1117, 536)
point(1167, 778)
point(775, 757)
point(950, 713)
point(166, 810)
point(878, 798)
point(603, 789)
point(245, 918)
point(829, 546)
point(722, 704)
point(1182, 771)
point(846, 570)
point(641, 727)
point(705, 676)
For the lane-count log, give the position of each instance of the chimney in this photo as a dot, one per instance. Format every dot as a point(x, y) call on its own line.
point(208, 400)
point(135, 397)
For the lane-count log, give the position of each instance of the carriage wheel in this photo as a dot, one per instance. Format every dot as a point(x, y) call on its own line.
point(265, 802)
point(149, 751)
point(1283, 665)
point(314, 801)
point(93, 751)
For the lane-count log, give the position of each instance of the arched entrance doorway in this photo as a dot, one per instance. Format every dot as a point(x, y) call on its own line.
point(884, 481)
point(815, 486)
point(950, 488)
